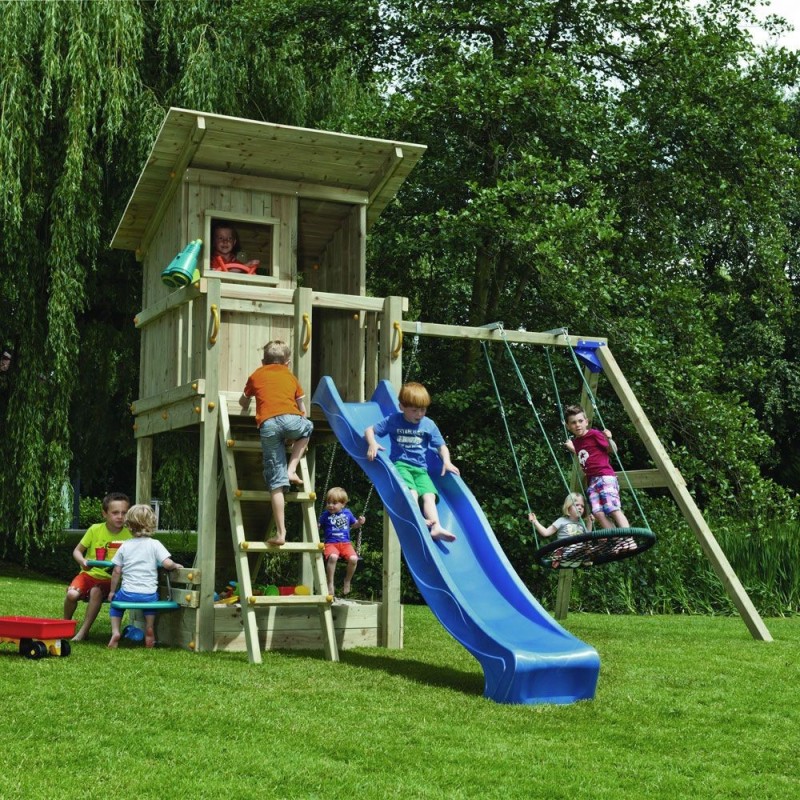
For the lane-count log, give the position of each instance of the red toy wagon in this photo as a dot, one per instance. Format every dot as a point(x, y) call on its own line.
point(37, 637)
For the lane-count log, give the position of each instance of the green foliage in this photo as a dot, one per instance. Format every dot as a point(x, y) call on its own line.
point(91, 511)
point(175, 480)
point(85, 87)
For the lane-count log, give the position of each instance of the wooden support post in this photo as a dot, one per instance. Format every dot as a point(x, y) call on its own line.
point(207, 477)
point(685, 502)
point(391, 368)
point(144, 469)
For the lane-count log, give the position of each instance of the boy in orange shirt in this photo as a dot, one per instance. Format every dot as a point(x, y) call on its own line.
point(280, 416)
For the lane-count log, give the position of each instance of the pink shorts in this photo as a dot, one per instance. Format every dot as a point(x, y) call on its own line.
point(83, 583)
point(342, 549)
point(604, 494)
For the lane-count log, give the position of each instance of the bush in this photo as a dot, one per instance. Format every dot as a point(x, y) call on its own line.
point(91, 511)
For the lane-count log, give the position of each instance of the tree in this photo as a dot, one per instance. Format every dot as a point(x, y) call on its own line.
point(84, 89)
point(621, 169)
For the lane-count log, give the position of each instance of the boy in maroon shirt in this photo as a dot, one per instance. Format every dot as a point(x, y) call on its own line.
point(591, 447)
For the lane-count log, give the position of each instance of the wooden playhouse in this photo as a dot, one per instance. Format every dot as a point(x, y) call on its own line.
point(302, 202)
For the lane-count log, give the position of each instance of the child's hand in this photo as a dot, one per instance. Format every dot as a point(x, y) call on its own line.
point(569, 445)
point(361, 520)
point(449, 466)
point(372, 450)
point(531, 517)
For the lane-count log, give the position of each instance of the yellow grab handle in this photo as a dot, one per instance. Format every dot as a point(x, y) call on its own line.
point(307, 325)
point(398, 349)
point(215, 332)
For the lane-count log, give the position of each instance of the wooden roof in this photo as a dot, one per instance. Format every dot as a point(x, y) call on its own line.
point(367, 170)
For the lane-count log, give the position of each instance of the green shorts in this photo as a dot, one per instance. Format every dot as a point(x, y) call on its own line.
point(416, 478)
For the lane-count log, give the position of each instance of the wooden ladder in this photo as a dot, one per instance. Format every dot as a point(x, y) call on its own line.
point(319, 597)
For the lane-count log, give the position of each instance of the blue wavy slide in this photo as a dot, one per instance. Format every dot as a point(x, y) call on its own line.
point(469, 584)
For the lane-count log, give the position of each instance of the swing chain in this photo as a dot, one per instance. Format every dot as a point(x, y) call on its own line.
point(414, 350)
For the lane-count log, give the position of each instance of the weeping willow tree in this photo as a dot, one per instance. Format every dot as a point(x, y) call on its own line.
point(83, 90)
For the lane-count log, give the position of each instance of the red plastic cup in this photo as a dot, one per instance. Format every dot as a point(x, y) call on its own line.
point(285, 591)
point(100, 553)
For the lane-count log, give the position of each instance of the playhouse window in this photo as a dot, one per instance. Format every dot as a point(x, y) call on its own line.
point(258, 241)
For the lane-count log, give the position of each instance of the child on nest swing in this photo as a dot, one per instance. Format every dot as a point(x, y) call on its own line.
point(573, 522)
point(591, 447)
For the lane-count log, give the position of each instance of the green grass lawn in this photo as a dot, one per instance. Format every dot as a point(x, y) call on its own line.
point(686, 707)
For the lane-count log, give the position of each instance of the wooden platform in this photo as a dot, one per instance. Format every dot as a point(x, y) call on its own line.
point(356, 624)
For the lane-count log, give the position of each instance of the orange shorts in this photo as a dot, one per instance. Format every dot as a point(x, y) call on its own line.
point(342, 549)
point(83, 583)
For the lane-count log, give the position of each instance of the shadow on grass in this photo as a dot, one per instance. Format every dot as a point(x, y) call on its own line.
point(421, 672)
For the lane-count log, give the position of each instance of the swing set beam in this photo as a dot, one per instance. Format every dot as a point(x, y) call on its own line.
point(664, 475)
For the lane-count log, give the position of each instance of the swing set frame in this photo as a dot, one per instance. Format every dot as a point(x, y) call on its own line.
point(663, 475)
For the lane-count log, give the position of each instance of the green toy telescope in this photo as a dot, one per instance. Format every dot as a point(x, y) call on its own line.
point(183, 270)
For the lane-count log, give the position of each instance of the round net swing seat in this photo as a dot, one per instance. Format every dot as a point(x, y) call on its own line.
point(595, 547)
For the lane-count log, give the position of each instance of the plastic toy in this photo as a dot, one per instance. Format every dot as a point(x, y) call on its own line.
point(228, 595)
point(37, 636)
point(182, 270)
point(302, 590)
point(133, 633)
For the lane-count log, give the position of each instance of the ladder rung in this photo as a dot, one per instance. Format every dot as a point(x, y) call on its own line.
point(243, 444)
point(262, 496)
point(291, 600)
point(247, 444)
point(289, 547)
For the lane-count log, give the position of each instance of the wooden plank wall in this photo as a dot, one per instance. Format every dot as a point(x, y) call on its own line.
point(156, 373)
point(340, 339)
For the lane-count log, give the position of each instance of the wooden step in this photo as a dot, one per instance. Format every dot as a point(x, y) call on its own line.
point(263, 496)
point(289, 547)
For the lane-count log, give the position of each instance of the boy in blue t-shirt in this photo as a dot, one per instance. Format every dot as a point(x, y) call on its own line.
point(411, 432)
point(336, 523)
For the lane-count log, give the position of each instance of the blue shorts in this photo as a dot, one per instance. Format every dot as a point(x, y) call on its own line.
point(131, 597)
point(416, 478)
point(604, 494)
point(274, 432)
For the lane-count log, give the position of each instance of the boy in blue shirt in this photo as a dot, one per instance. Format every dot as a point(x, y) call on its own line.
point(411, 432)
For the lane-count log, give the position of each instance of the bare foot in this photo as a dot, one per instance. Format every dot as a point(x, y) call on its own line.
point(78, 637)
point(440, 534)
point(277, 541)
point(346, 588)
point(149, 638)
point(295, 479)
point(330, 589)
point(113, 641)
